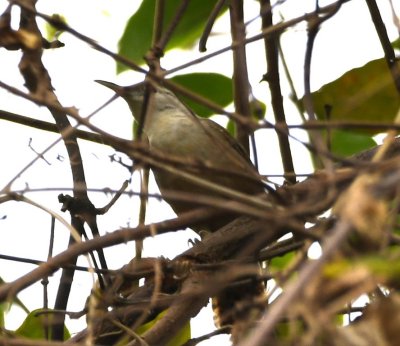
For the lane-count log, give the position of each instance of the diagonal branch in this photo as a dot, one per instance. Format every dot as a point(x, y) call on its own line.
point(390, 56)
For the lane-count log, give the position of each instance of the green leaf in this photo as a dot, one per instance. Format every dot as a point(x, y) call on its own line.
point(362, 94)
point(137, 37)
point(396, 44)
point(53, 33)
point(384, 265)
point(231, 128)
point(281, 262)
point(257, 109)
point(180, 338)
point(212, 86)
point(346, 143)
point(5, 306)
point(3, 309)
point(35, 324)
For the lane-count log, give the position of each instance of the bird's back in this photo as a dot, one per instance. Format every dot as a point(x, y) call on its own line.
point(201, 148)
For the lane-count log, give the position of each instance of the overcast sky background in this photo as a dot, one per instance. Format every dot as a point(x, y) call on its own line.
point(346, 41)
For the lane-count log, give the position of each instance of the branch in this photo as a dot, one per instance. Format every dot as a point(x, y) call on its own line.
point(273, 79)
point(50, 127)
point(237, 241)
point(313, 27)
point(116, 237)
point(241, 83)
point(390, 56)
point(210, 22)
point(262, 334)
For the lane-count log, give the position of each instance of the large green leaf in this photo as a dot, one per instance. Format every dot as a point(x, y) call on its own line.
point(214, 87)
point(362, 94)
point(35, 325)
point(137, 37)
point(346, 143)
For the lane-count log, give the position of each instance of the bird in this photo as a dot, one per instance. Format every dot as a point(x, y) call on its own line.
point(212, 164)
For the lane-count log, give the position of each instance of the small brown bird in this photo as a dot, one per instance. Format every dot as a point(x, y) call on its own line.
point(213, 164)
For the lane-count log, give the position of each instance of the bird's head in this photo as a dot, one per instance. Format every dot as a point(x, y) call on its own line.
point(134, 95)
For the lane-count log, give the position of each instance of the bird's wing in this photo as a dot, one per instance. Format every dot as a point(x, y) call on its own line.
point(220, 134)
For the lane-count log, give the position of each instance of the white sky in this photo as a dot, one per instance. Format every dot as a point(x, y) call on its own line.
point(346, 41)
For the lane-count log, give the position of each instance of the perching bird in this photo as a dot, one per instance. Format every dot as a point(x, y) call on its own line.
point(207, 162)
point(206, 151)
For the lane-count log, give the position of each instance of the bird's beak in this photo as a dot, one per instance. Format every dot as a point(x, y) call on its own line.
point(119, 90)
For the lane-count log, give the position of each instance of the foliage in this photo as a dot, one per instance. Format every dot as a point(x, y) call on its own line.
point(347, 143)
point(350, 208)
point(179, 339)
point(364, 94)
point(212, 86)
point(36, 326)
point(138, 34)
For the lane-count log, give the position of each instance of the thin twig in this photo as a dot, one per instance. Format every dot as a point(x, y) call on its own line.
point(209, 24)
point(262, 333)
point(241, 85)
point(272, 77)
point(62, 26)
point(172, 25)
point(313, 28)
point(50, 127)
point(277, 28)
point(390, 56)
